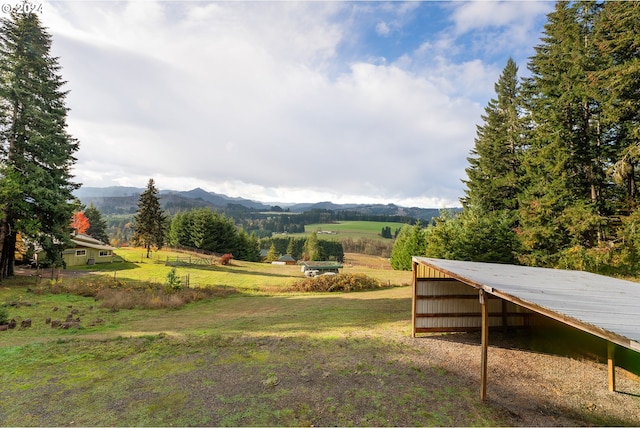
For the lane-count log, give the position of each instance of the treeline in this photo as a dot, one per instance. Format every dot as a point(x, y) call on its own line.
point(372, 247)
point(552, 179)
point(266, 224)
point(310, 248)
point(207, 230)
point(263, 225)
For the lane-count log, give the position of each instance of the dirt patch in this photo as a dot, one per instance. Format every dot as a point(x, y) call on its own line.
point(48, 273)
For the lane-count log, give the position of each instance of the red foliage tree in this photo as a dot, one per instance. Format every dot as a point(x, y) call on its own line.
point(80, 222)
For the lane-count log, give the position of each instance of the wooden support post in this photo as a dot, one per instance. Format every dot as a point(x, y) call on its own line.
point(611, 350)
point(485, 343)
point(414, 304)
point(505, 318)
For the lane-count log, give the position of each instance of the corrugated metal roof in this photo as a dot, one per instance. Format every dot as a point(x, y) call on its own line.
point(602, 305)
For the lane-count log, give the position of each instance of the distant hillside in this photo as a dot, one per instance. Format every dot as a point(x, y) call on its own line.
point(124, 200)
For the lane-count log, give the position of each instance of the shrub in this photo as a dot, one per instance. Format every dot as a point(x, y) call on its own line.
point(341, 282)
point(4, 315)
point(173, 281)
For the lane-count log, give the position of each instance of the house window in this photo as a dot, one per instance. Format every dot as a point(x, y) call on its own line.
point(105, 253)
point(81, 253)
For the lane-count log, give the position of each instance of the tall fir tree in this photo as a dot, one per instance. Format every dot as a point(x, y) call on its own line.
point(149, 221)
point(97, 224)
point(312, 248)
point(617, 35)
point(563, 203)
point(494, 163)
point(36, 151)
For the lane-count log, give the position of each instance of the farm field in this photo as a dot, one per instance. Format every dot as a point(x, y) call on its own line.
point(265, 357)
point(242, 275)
point(350, 229)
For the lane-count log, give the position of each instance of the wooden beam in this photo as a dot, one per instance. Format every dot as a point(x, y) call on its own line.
point(611, 357)
point(414, 300)
point(485, 344)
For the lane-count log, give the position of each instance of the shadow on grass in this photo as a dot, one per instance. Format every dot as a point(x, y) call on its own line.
point(105, 267)
point(233, 269)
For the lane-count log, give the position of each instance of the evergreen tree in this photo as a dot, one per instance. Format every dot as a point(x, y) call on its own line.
point(180, 230)
point(617, 35)
point(409, 243)
point(149, 221)
point(312, 248)
point(36, 151)
point(563, 204)
point(291, 248)
point(494, 165)
point(272, 255)
point(202, 230)
point(97, 225)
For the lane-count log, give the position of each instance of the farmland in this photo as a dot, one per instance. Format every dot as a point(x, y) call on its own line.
point(266, 356)
point(351, 229)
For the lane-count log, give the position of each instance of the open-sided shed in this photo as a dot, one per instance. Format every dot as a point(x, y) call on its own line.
point(451, 295)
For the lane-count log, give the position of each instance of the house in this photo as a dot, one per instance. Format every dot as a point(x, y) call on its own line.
point(287, 259)
point(320, 268)
point(87, 251)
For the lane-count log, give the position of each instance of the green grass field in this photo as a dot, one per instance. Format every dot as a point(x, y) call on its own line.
point(259, 357)
point(350, 229)
point(247, 276)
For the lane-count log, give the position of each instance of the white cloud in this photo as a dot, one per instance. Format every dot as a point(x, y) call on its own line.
point(383, 28)
point(254, 100)
point(480, 15)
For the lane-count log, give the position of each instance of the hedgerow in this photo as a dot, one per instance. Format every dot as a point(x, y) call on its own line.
point(340, 282)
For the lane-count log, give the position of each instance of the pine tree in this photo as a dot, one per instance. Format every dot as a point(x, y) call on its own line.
point(312, 248)
point(149, 221)
point(36, 152)
point(410, 242)
point(563, 204)
point(291, 248)
point(494, 165)
point(617, 35)
point(272, 255)
point(97, 225)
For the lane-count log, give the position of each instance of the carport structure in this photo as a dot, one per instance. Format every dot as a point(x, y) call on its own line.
point(450, 295)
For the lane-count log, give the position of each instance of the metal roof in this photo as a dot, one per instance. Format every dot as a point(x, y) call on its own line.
point(82, 240)
point(605, 306)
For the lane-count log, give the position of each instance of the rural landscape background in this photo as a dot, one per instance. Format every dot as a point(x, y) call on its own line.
point(196, 308)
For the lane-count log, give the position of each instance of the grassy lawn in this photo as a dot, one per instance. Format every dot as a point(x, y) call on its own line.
point(259, 357)
point(245, 276)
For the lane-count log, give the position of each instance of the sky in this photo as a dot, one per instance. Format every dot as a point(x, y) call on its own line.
point(286, 101)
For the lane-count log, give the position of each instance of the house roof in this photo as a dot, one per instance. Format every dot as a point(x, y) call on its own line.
point(604, 306)
point(286, 258)
point(82, 240)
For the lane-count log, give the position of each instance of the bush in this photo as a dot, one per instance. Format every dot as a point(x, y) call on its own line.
point(4, 315)
point(341, 282)
point(173, 281)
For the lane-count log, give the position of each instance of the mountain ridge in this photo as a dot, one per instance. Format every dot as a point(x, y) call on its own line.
point(124, 199)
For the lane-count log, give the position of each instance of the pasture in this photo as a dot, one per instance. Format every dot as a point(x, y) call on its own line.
point(350, 229)
point(262, 356)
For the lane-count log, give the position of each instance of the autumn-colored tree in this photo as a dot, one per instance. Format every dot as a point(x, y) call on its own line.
point(80, 222)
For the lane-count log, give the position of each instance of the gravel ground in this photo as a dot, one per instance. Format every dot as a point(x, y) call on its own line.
point(535, 389)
